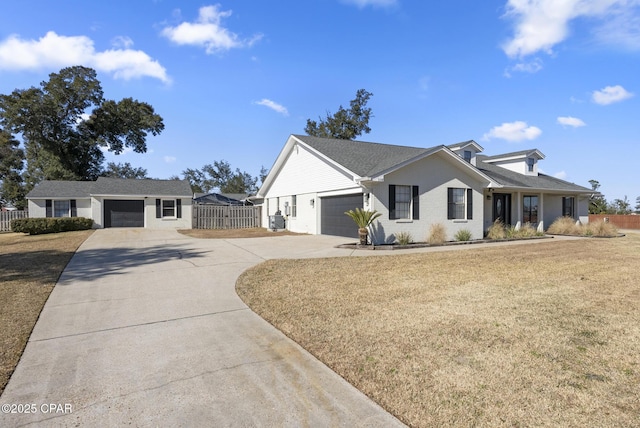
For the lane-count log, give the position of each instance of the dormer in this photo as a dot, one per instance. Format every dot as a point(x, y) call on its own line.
point(524, 162)
point(467, 150)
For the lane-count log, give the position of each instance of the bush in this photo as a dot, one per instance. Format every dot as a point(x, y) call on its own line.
point(528, 231)
point(564, 226)
point(600, 228)
point(39, 226)
point(404, 238)
point(437, 234)
point(497, 231)
point(463, 235)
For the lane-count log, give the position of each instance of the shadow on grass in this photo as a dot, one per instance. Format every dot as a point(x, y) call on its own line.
point(42, 267)
point(94, 263)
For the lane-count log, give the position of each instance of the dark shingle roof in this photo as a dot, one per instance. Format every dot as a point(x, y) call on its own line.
point(510, 178)
point(363, 158)
point(62, 189)
point(110, 187)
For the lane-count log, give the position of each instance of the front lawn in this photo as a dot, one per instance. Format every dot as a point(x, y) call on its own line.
point(29, 268)
point(529, 335)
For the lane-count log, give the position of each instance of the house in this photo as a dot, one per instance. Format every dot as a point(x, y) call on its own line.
point(115, 202)
point(235, 199)
point(315, 180)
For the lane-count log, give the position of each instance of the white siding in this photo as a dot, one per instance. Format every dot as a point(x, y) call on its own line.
point(151, 222)
point(38, 207)
point(433, 175)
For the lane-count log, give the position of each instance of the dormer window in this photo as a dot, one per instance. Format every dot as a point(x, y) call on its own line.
point(530, 163)
point(467, 155)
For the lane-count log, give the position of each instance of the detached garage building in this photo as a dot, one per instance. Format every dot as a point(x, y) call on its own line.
point(114, 202)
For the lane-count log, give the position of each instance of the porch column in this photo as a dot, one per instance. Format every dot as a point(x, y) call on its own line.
point(541, 212)
point(518, 211)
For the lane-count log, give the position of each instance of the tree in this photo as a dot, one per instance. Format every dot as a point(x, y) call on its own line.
point(220, 176)
point(363, 220)
point(638, 205)
point(123, 170)
point(621, 206)
point(11, 165)
point(597, 202)
point(344, 124)
point(61, 141)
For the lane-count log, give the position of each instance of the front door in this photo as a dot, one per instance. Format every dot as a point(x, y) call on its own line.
point(502, 207)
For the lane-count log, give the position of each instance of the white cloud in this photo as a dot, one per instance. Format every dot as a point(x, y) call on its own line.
point(570, 121)
point(375, 3)
point(525, 67)
point(169, 159)
point(273, 106)
point(122, 42)
point(542, 24)
point(207, 31)
point(513, 132)
point(562, 175)
point(610, 95)
point(55, 51)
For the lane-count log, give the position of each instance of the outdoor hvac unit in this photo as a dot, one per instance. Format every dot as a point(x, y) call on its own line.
point(276, 222)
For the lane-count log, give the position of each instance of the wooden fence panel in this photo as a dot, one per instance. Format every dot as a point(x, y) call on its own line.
point(7, 216)
point(620, 221)
point(225, 217)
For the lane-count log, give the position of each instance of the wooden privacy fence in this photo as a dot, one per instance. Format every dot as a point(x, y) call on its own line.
point(619, 220)
point(225, 217)
point(7, 216)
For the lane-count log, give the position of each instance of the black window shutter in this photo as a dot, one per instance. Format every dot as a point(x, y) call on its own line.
point(451, 207)
point(158, 208)
point(416, 203)
point(74, 209)
point(49, 208)
point(392, 201)
point(179, 208)
point(469, 204)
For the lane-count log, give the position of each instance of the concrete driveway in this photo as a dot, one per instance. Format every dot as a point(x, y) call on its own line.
point(144, 328)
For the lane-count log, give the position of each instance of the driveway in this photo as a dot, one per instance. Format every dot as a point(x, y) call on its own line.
point(144, 328)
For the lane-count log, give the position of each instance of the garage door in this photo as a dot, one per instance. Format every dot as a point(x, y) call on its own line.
point(123, 213)
point(333, 220)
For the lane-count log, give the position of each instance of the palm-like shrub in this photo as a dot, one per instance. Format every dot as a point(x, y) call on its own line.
point(363, 219)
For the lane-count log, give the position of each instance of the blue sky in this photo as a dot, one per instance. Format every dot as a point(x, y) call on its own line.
point(233, 79)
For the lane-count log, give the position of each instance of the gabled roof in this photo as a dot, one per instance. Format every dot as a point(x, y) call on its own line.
point(363, 158)
point(62, 189)
point(515, 155)
point(110, 187)
point(465, 144)
point(508, 178)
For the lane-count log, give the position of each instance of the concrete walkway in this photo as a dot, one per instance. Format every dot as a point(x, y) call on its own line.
point(144, 328)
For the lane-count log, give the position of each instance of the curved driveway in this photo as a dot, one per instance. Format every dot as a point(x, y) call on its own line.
point(144, 328)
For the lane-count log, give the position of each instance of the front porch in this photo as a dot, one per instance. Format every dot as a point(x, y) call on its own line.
point(516, 207)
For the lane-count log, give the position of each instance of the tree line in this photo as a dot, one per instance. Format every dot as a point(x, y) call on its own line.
point(66, 125)
point(598, 204)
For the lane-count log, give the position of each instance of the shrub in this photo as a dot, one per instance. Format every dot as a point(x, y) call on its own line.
point(463, 235)
point(600, 228)
point(527, 231)
point(437, 234)
point(404, 238)
point(564, 226)
point(38, 226)
point(497, 231)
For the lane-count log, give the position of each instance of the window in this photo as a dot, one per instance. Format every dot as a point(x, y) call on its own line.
point(404, 202)
point(530, 163)
point(530, 207)
point(65, 208)
point(294, 206)
point(467, 155)
point(168, 208)
point(459, 203)
point(568, 207)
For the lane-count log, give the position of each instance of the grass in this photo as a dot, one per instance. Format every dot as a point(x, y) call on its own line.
point(255, 232)
point(568, 226)
point(529, 335)
point(29, 268)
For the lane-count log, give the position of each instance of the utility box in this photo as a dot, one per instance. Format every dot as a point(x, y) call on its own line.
point(276, 222)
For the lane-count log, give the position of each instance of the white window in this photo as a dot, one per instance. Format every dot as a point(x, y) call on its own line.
point(294, 206)
point(530, 163)
point(459, 204)
point(61, 209)
point(467, 155)
point(168, 208)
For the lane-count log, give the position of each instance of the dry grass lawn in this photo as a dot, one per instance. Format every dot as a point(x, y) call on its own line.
point(539, 335)
point(29, 268)
point(254, 232)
